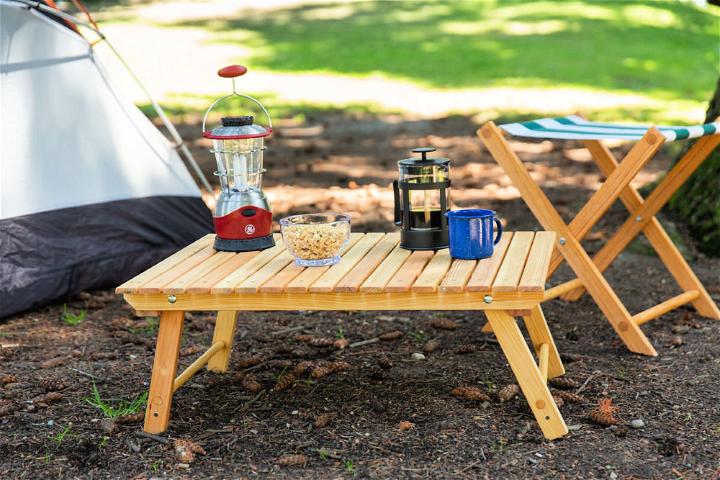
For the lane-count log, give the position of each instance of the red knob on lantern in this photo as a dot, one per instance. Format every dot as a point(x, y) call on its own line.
point(232, 71)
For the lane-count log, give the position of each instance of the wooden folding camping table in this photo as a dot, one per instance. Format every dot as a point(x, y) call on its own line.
point(374, 273)
point(616, 185)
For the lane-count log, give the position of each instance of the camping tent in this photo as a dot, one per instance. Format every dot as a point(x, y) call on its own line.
point(91, 192)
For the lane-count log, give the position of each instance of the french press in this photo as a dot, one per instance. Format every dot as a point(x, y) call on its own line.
point(421, 200)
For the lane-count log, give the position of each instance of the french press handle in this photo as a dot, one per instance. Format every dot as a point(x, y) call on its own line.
point(396, 191)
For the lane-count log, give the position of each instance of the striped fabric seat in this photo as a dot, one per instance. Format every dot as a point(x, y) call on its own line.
point(573, 127)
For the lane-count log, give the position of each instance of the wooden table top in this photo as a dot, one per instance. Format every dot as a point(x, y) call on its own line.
point(370, 263)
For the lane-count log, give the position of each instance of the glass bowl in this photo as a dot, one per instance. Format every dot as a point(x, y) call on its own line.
point(315, 239)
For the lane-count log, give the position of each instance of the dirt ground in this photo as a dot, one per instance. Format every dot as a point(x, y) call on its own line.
point(350, 424)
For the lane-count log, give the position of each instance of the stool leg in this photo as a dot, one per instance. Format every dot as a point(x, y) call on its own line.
point(225, 332)
point(540, 334)
point(527, 374)
point(157, 414)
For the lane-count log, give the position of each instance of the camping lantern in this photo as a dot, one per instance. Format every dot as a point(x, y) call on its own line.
point(421, 200)
point(243, 220)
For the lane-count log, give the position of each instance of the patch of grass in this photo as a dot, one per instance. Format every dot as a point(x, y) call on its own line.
point(340, 333)
point(151, 326)
point(630, 46)
point(122, 408)
point(72, 319)
point(350, 467)
point(60, 436)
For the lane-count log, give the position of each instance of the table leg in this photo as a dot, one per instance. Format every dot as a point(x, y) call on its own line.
point(527, 374)
point(157, 414)
point(539, 332)
point(224, 332)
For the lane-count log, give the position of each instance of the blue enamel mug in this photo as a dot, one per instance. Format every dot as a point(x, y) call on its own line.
point(471, 233)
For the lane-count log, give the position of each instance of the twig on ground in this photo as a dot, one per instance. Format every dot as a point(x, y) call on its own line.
point(364, 342)
point(289, 330)
point(587, 380)
point(90, 375)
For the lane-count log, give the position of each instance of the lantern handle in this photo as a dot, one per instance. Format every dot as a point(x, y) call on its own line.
point(232, 72)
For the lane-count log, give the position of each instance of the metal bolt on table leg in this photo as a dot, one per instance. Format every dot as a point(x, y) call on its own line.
point(638, 218)
point(488, 299)
point(172, 299)
point(561, 241)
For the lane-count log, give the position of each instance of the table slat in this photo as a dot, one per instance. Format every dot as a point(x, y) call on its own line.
point(180, 284)
point(352, 281)
point(302, 282)
point(329, 279)
point(277, 283)
point(458, 275)
point(482, 278)
point(254, 281)
point(406, 275)
point(381, 276)
point(204, 284)
point(155, 285)
point(227, 284)
point(434, 272)
point(536, 268)
point(137, 281)
point(512, 266)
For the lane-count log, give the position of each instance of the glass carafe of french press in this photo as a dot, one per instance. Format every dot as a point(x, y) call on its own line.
point(422, 195)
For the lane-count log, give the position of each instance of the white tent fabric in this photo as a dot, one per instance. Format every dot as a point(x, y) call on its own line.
point(91, 193)
point(65, 131)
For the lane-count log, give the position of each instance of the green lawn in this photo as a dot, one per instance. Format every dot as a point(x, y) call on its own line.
point(666, 49)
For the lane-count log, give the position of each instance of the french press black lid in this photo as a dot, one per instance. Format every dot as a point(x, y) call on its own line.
point(421, 200)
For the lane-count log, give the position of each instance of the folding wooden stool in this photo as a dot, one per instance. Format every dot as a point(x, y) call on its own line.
point(617, 185)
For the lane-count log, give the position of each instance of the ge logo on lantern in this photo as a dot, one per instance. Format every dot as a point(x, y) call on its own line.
point(249, 229)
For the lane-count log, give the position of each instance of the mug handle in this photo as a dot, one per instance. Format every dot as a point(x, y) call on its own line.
point(498, 235)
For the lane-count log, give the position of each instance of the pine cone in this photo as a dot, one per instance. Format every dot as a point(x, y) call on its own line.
point(321, 342)
point(341, 343)
point(303, 367)
point(558, 401)
point(280, 364)
point(508, 392)
point(564, 383)
point(53, 385)
point(430, 346)
point(569, 396)
point(384, 362)
point(602, 418)
point(470, 393)
point(394, 335)
point(284, 382)
point(304, 338)
point(572, 357)
point(9, 379)
point(8, 408)
point(249, 362)
point(321, 371)
point(466, 348)
point(338, 366)
point(251, 385)
point(443, 324)
point(323, 420)
point(132, 418)
point(291, 460)
point(48, 398)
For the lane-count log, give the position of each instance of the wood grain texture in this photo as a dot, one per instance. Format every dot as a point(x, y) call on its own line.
point(458, 275)
point(381, 276)
point(539, 333)
point(434, 272)
point(513, 264)
point(538, 262)
point(483, 277)
point(528, 375)
point(326, 283)
point(224, 332)
point(302, 282)
point(183, 282)
point(227, 284)
point(205, 283)
point(134, 283)
point(404, 278)
point(156, 284)
point(253, 282)
point(354, 279)
point(157, 412)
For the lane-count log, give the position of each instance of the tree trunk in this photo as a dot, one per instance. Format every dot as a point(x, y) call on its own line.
point(697, 203)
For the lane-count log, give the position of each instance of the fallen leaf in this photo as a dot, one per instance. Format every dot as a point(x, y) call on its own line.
point(185, 450)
